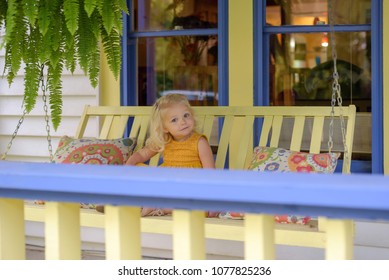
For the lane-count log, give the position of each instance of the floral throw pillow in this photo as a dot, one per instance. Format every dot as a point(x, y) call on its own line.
point(94, 151)
point(283, 160)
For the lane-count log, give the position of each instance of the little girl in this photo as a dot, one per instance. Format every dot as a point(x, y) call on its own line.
point(173, 133)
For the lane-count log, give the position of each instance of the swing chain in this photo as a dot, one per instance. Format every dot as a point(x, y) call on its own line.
point(336, 90)
point(4, 156)
point(47, 120)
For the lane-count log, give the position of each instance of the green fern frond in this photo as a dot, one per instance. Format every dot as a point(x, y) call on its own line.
point(95, 24)
point(107, 13)
point(84, 40)
point(32, 69)
point(45, 50)
point(30, 8)
point(54, 85)
point(11, 18)
point(32, 44)
point(90, 6)
point(118, 19)
point(18, 41)
point(3, 12)
point(43, 17)
point(94, 67)
point(55, 58)
point(54, 81)
point(55, 31)
point(122, 4)
point(56, 107)
point(71, 8)
point(112, 48)
point(8, 65)
point(69, 50)
point(31, 84)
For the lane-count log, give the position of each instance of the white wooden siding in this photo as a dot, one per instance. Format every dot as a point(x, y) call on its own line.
point(31, 142)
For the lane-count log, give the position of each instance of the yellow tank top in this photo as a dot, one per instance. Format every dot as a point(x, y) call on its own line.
point(183, 154)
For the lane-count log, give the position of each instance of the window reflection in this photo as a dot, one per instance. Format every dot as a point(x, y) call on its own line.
point(301, 63)
point(311, 12)
point(302, 69)
point(187, 64)
point(156, 15)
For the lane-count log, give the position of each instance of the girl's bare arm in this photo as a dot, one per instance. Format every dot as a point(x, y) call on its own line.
point(140, 156)
point(205, 153)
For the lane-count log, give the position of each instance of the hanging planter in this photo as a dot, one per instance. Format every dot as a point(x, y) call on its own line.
point(57, 35)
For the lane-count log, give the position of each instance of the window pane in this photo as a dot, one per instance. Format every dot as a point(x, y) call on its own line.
point(311, 12)
point(303, 67)
point(156, 15)
point(186, 64)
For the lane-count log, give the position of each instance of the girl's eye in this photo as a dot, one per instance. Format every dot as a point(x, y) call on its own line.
point(174, 120)
point(186, 115)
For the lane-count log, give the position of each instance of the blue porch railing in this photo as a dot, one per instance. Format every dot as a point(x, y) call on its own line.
point(333, 196)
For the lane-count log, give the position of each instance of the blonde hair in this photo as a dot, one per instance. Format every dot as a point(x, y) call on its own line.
point(158, 138)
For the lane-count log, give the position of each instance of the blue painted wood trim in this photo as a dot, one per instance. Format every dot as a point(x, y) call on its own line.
point(124, 70)
point(315, 28)
point(173, 33)
point(356, 196)
point(377, 87)
point(223, 61)
point(261, 65)
point(260, 52)
point(129, 91)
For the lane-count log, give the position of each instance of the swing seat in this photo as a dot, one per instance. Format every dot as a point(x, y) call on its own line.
point(233, 134)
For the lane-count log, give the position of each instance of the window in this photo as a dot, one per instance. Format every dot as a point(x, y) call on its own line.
point(173, 46)
point(297, 60)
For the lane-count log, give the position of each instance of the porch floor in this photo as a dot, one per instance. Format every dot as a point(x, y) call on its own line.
point(34, 252)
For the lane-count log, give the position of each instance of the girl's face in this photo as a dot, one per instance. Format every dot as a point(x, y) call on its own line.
point(179, 122)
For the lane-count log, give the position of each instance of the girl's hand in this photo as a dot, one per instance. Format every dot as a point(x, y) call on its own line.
point(140, 156)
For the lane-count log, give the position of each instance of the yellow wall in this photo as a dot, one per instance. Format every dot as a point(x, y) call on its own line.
point(386, 85)
point(109, 87)
point(240, 40)
point(240, 36)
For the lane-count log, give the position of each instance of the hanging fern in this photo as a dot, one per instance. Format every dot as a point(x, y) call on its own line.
point(71, 15)
point(30, 8)
point(3, 11)
point(33, 69)
point(90, 6)
point(111, 44)
point(53, 35)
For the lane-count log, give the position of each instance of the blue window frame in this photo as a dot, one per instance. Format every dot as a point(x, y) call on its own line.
point(132, 37)
point(263, 33)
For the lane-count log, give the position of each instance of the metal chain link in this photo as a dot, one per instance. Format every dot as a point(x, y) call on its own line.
point(47, 119)
point(4, 156)
point(336, 90)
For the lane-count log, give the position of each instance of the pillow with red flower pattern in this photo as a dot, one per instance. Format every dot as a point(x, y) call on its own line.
point(94, 151)
point(283, 160)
